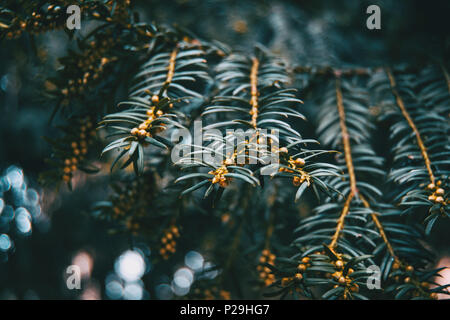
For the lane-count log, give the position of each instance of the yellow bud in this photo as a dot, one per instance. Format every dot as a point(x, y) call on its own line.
point(299, 162)
point(134, 131)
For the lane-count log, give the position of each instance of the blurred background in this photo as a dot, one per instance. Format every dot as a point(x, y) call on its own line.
point(43, 230)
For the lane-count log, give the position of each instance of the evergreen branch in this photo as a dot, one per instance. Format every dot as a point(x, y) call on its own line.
point(411, 123)
point(242, 80)
point(420, 150)
point(349, 163)
point(160, 89)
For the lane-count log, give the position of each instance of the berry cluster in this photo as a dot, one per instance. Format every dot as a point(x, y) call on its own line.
point(86, 68)
point(437, 195)
point(344, 280)
point(265, 274)
point(78, 148)
point(127, 203)
point(143, 130)
point(307, 268)
point(54, 16)
point(294, 164)
point(50, 18)
point(404, 273)
point(168, 243)
point(219, 176)
point(301, 268)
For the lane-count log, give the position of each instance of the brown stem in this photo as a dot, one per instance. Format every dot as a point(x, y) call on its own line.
point(352, 177)
point(254, 91)
point(340, 224)
point(348, 162)
point(171, 67)
point(345, 138)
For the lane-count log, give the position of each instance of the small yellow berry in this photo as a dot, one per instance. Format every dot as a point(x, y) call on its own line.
point(299, 162)
point(296, 181)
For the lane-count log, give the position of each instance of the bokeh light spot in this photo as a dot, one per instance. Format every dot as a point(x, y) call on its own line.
point(130, 266)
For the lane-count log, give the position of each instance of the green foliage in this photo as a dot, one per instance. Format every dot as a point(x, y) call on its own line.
point(419, 137)
point(164, 79)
